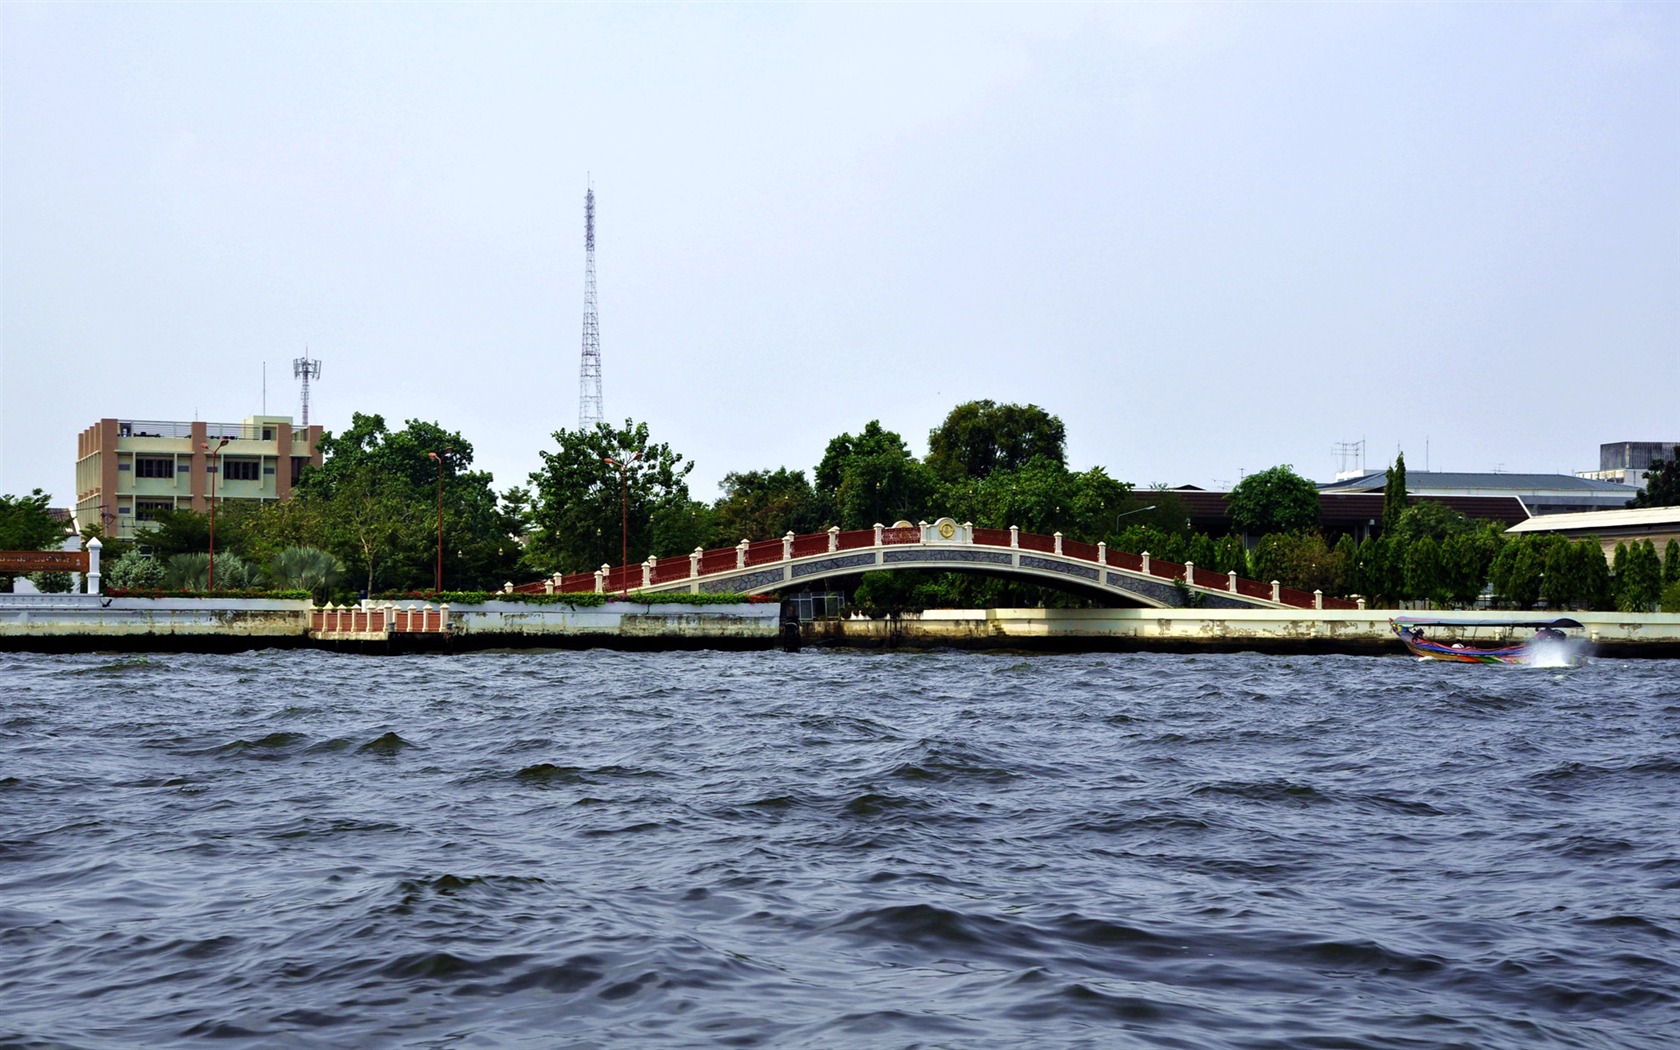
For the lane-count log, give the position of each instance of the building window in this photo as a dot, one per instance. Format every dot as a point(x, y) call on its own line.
point(297, 468)
point(125, 466)
point(153, 468)
point(267, 470)
point(241, 469)
point(268, 433)
point(147, 509)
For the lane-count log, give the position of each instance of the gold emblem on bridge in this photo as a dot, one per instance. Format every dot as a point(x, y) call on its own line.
point(947, 530)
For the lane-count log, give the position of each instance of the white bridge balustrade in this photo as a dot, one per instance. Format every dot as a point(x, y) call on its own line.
point(758, 567)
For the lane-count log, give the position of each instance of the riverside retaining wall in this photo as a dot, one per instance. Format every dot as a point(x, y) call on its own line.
point(1196, 630)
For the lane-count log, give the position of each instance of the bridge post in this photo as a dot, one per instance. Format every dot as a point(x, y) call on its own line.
point(1014, 536)
point(1277, 592)
point(1102, 554)
point(833, 538)
point(1360, 601)
point(787, 546)
point(1058, 538)
point(1190, 573)
point(600, 576)
point(548, 586)
point(1145, 557)
point(647, 572)
point(878, 527)
point(694, 562)
point(1318, 599)
point(1233, 585)
point(93, 565)
point(741, 554)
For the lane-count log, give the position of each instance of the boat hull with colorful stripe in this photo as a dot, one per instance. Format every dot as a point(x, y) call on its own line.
point(1549, 647)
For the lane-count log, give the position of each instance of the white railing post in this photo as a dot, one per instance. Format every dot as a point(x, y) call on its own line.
point(877, 534)
point(548, 586)
point(1058, 538)
point(600, 578)
point(694, 562)
point(741, 554)
point(507, 587)
point(1102, 553)
point(787, 546)
point(1277, 591)
point(833, 538)
point(647, 572)
point(1145, 557)
point(443, 617)
point(1318, 599)
point(1233, 576)
point(968, 533)
point(1014, 536)
point(1190, 573)
point(93, 565)
point(1361, 602)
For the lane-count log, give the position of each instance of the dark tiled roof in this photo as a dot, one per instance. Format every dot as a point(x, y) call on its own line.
point(1349, 510)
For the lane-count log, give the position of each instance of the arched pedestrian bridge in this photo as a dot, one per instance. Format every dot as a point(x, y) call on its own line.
point(800, 561)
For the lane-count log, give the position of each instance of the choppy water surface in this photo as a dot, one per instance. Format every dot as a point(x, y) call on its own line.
point(837, 850)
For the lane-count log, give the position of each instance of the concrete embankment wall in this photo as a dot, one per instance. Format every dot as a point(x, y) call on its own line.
point(1195, 630)
point(85, 622)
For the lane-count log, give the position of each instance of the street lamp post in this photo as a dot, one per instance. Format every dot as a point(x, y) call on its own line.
point(624, 509)
point(437, 583)
point(214, 465)
point(1129, 513)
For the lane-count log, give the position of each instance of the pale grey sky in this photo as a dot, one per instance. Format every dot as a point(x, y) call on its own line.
point(1212, 237)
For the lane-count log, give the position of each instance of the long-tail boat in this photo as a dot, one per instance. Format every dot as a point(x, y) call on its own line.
point(1549, 646)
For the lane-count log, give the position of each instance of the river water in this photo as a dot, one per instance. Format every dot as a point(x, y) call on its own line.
point(836, 849)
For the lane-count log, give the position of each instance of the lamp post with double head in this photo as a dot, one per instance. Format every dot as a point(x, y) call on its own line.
point(623, 466)
point(214, 451)
point(437, 584)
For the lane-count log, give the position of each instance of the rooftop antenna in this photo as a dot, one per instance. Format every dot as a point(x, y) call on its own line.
point(589, 371)
point(305, 368)
point(1350, 459)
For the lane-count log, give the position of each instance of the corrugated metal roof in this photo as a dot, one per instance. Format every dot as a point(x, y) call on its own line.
point(1425, 482)
point(1640, 517)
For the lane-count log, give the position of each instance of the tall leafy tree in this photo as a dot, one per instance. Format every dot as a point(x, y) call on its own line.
point(580, 498)
point(1671, 562)
point(1274, 500)
point(1395, 498)
point(762, 504)
point(27, 524)
point(980, 437)
point(871, 477)
point(1639, 585)
point(376, 497)
point(1662, 483)
point(1042, 496)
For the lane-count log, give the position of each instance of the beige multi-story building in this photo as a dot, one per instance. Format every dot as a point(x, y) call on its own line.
point(129, 469)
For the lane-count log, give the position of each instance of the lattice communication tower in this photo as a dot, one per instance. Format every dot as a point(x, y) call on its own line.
point(589, 371)
point(304, 368)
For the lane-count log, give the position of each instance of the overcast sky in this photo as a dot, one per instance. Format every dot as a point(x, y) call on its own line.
point(1212, 238)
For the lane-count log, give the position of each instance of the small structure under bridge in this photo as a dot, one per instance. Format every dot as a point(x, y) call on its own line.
point(799, 561)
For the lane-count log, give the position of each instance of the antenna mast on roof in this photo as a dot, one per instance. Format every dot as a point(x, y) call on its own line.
point(305, 368)
point(589, 371)
point(1350, 457)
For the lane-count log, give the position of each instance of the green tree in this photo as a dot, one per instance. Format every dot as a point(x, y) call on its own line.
point(978, 438)
point(376, 497)
point(1423, 576)
point(1662, 483)
point(1300, 560)
point(136, 570)
point(1671, 562)
point(1517, 570)
point(1466, 558)
point(1042, 496)
point(1639, 585)
point(306, 569)
point(763, 504)
point(1274, 500)
point(1428, 518)
point(873, 478)
point(27, 524)
point(580, 498)
point(1395, 498)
